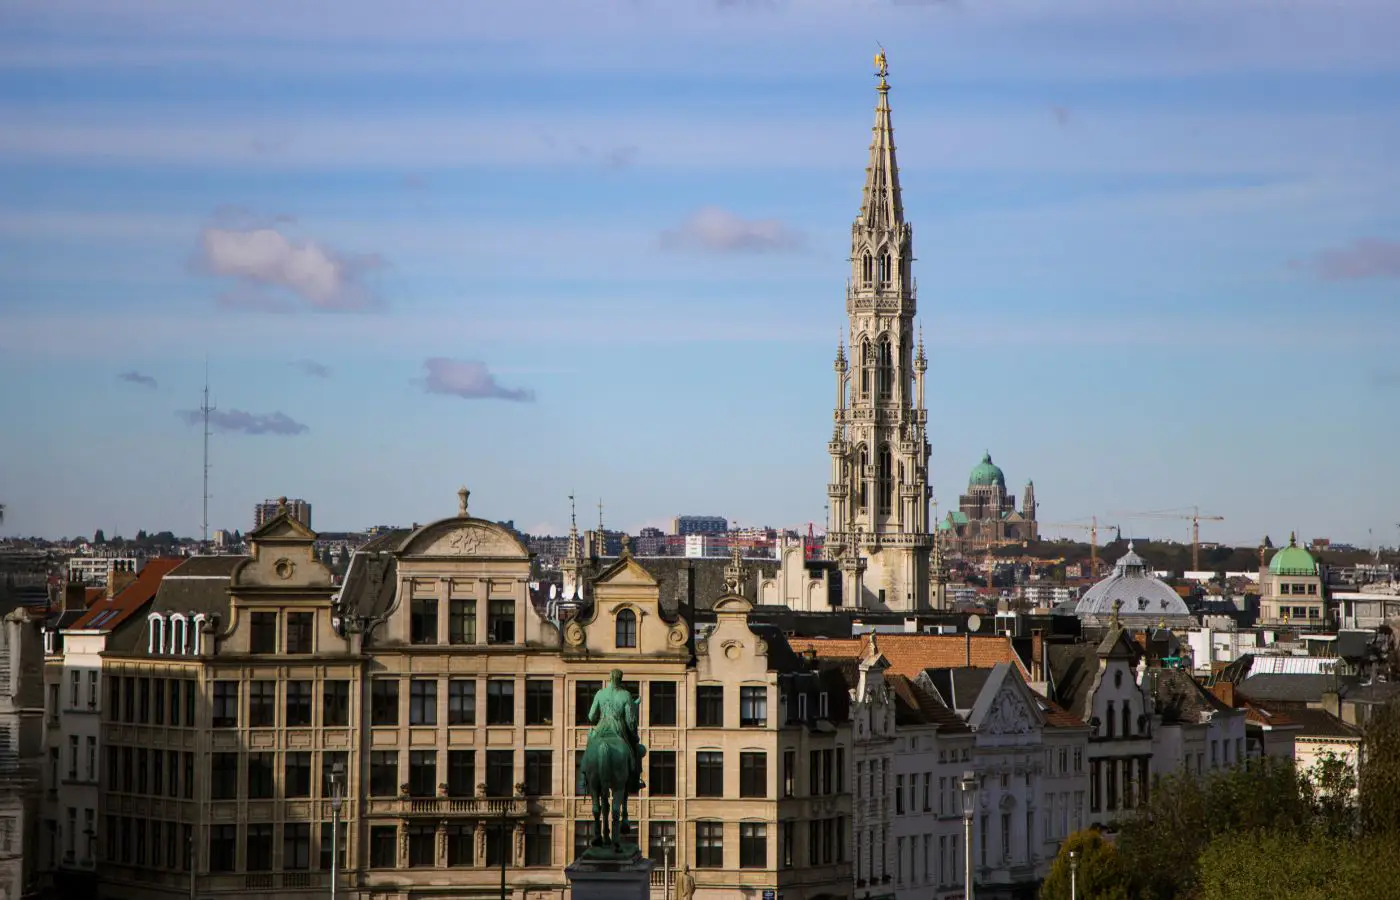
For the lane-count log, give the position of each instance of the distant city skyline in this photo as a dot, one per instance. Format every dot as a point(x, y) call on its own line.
point(539, 251)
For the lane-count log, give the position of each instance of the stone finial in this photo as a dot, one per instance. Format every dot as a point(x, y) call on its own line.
point(627, 545)
point(462, 496)
point(1117, 610)
point(281, 506)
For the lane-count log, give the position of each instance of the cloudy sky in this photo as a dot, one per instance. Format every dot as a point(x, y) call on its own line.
point(542, 246)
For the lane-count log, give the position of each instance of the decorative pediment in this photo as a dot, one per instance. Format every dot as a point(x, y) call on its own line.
point(1009, 714)
point(732, 604)
point(626, 572)
point(1005, 705)
point(463, 538)
point(285, 527)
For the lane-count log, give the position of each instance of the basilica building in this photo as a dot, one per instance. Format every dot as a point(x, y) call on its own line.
point(986, 516)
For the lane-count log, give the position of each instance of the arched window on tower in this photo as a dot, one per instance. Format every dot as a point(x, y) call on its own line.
point(886, 273)
point(867, 265)
point(886, 480)
point(862, 464)
point(626, 629)
point(886, 376)
point(867, 362)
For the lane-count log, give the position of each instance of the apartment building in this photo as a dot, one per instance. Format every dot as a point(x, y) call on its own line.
point(21, 724)
point(450, 715)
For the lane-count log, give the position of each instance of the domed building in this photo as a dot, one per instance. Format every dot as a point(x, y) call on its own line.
point(1291, 589)
point(1140, 599)
point(986, 515)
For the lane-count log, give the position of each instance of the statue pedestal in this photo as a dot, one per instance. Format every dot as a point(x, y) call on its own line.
point(598, 879)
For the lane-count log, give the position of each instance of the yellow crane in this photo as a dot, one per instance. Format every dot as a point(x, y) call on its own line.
point(1093, 528)
point(1194, 516)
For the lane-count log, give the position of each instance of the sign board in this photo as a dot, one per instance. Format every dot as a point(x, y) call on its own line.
point(770, 895)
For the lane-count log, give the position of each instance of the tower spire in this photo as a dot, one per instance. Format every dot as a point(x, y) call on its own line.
point(881, 205)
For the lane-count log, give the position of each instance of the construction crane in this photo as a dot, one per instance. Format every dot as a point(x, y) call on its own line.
point(1093, 528)
point(1194, 517)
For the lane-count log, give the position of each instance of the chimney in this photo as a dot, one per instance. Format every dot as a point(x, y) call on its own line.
point(1037, 655)
point(120, 573)
point(1224, 691)
point(74, 594)
point(1332, 702)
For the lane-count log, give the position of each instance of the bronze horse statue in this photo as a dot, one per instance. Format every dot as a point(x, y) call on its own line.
point(612, 765)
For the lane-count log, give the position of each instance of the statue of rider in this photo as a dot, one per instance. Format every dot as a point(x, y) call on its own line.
point(614, 701)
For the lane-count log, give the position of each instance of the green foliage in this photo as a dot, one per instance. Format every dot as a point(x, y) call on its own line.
point(1380, 773)
point(1249, 865)
point(1100, 874)
point(99, 537)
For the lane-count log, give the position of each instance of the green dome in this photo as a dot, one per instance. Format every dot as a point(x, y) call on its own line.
point(1293, 560)
point(986, 474)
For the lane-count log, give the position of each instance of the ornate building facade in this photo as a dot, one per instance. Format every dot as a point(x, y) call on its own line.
point(986, 515)
point(878, 527)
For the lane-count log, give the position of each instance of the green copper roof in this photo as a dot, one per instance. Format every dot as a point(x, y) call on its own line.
point(1293, 560)
point(986, 474)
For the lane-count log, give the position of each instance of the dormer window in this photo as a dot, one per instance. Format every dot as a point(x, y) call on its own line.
point(155, 634)
point(823, 706)
point(801, 707)
point(179, 634)
point(625, 628)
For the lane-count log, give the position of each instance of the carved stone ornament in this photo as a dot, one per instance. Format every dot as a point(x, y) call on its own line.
point(702, 647)
point(573, 634)
point(465, 542)
point(284, 568)
point(1009, 715)
point(676, 635)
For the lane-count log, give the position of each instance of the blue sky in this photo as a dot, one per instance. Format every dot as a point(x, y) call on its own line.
point(544, 247)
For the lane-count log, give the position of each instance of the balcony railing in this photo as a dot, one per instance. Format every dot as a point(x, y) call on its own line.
point(438, 806)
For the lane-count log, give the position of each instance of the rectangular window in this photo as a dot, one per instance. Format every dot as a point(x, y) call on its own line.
point(422, 701)
point(300, 626)
point(583, 700)
point(333, 771)
point(709, 773)
point(262, 637)
point(497, 845)
point(1112, 791)
point(423, 620)
point(223, 782)
point(753, 706)
point(72, 756)
point(662, 695)
point(500, 773)
point(461, 845)
point(500, 702)
point(175, 702)
point(92, 690)
point(501, 622)
point(190, 700)
point(92, 759)
point(789, 772)
point(158, 702)
point(257, 849)
point(223, 846)
point(461, 701)
point(262, 704)
point(328, 842)
point(583, 836)
point(335, 703)
point(298, 704)
point(261, 778)
point(187, 782)
point(129, 699)
point(384, 701)
point(661, 841)
point(296, 774)
point(709, 845)
point(709, 706)
point(539, 773)
point(421, 850)
point(753, 775)
point(384, 846)
point(296, 846)
point(661, 779)
point(75, 685)
point(580, 787)
point(461, 622)
point(422, 773)
point(539, 702)
point(928, 791)
point(539, 840)
point(157, 772)
point(753, 845)
point(1095, 773)
point(461, 773)
point(143, 694)
point(384, 773)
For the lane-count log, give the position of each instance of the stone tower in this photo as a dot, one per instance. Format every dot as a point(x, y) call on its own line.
point(879, 528)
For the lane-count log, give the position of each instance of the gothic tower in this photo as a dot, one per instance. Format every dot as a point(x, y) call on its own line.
point(879, 528)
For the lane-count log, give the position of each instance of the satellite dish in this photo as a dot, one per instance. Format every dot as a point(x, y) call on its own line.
point(974, 622)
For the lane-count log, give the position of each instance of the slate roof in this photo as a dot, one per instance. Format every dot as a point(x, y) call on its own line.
point(1073, 668)
point(697, 582)
point(1179, 697)
point(1319, 723)
point(372, 577)
point(1289, 688)
point(917, 705)
point(958, 688)
point(197, 585)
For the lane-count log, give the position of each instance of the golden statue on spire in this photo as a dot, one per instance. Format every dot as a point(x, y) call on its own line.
point(881, 64)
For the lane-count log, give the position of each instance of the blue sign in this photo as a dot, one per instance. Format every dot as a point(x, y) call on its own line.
point(770, 895)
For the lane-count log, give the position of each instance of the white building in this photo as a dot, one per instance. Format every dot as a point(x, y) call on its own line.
point(95, 571)
point(21, 724)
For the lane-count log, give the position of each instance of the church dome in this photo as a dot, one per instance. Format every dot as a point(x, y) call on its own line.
point(1143, 596)
point(986, 473)
point(1293, 560)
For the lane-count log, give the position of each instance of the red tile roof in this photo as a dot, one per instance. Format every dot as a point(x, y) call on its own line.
point(910, 654)
point(1255, 714)
point(128, 600)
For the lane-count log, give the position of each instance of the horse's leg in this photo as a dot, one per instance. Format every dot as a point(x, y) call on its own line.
point(597, 817)
point(619, 810)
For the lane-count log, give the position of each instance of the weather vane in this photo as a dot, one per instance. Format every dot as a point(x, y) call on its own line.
point(881, 65)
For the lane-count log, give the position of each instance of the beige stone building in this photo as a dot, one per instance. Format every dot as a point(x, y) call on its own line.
point(450, 714)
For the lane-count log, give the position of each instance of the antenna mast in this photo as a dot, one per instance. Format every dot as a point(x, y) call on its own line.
point(205, 409)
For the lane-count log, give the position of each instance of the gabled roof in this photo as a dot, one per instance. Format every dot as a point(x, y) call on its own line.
point(958, 688)
point(105, 614)
point(910, 654)
point(1321, 724)
point(1255, 714)
point(1073, 668)
point(1179, 698)
point(915, 704)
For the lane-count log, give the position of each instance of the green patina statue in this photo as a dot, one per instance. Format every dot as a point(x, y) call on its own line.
point(612, 768)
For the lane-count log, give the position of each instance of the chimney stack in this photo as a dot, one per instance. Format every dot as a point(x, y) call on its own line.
point(1037, 655)
point(74, 595)
point(120, 573)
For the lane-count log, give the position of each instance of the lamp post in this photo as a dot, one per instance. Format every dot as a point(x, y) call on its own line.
point(969, 807)
point(337, 774)
point(1073, 874)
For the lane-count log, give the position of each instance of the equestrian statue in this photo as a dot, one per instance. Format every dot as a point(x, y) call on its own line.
point(612, 768)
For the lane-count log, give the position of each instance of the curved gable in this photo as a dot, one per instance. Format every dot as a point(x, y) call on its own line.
point(463, 537)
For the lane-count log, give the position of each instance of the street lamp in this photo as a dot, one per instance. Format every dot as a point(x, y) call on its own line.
point(337, 775)
point(1073, 874)
point(969, 807)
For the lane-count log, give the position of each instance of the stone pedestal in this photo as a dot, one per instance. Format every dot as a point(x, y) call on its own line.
point(597, 879)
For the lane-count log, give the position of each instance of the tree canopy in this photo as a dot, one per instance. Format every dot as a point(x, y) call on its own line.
point(1099, 874)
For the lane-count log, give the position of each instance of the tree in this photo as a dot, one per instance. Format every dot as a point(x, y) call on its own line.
point(1099, 876)
point(1379, 785)
point(99, 537)
point(1246, 866)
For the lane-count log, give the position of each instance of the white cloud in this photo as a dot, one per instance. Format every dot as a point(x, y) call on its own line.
point(470, 380)
point(716, 230)
point(241, 422)
point(260, 258)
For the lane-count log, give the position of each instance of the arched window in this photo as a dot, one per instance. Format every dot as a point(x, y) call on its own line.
point(198, 641)
point(886, 480)
point(866, 268)
point(155, 636)
point(179, 634)
point(886, 375)
point(862, 464)
point(867, 362)
point(885, 268)
point(626, 628)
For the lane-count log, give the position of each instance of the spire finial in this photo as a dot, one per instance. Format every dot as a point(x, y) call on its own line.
point(1117, 608)
point(462, 496)
point(882, 68)
point(573, 513)
point(1292, 538)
